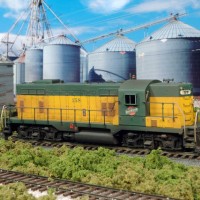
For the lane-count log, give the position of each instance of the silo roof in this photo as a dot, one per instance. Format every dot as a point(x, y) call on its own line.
point(119, 43)
point(35, 48)
point(62, 40)
point(83, 52)
point(174, 29)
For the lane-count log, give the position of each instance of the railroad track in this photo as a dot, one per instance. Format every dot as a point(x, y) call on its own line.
point(72, 189)
point(120, 150)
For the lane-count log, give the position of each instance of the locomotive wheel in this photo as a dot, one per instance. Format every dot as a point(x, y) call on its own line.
point(58, 136)
point(133, 140)
point(22, 133)
point(42, 134)
point(36, 133)
point(165, 142)
point(169, 143)
point(158, 144)
point(51, 134)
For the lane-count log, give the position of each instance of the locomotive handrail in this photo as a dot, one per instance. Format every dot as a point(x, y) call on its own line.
point(3, 116)
point(66, 109)
point(162, 103)
point(180, 110)
point(195, 125)
point(183, 115)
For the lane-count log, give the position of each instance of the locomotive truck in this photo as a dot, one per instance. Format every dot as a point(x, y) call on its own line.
point(135, 113)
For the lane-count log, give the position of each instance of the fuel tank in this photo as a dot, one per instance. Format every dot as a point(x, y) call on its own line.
point(95, 137)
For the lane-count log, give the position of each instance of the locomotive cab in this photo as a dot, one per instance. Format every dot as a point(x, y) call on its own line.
point(133, 102)
point(157, 114)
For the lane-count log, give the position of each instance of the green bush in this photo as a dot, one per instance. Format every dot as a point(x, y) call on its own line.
point(18, 191)
point(153, 174)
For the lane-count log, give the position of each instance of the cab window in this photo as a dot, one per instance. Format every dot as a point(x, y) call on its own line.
point(130, 99)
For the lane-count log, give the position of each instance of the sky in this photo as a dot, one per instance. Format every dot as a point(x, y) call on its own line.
point(87, 19)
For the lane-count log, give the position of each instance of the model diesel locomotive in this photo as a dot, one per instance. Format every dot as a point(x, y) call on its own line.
point(135, 113)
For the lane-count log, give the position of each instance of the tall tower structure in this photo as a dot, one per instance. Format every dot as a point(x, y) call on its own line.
point(32, 23)
point(38, 24)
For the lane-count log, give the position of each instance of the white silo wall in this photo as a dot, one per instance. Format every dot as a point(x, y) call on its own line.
point(19, 74)
point(115, 60)
point(33, 65)
point(171, 53)
point(62, 61)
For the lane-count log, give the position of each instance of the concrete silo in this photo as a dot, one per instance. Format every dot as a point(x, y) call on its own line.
point(114, 61)
point(83, 66)
point(33, 64)
point(19, 71)
point(62, 60)
point(170, 53)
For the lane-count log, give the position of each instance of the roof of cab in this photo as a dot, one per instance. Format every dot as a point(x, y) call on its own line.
point(137, 85)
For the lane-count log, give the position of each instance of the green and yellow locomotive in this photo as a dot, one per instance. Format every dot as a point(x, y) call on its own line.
point(135, 113)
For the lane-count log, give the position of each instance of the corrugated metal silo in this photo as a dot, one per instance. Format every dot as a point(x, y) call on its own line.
point(83, 66)
point(33, 64)
point(62, 60)
point(115, 60)
point(19, 71)
point(171, 53)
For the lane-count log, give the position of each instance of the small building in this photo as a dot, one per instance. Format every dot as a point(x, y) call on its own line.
point(6, 81)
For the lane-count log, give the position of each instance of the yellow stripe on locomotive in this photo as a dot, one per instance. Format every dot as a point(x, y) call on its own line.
point(81, 109)
point(171, 112)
